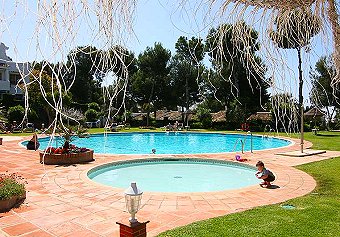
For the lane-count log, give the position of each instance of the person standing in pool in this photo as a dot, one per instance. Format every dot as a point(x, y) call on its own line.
point(265, 174)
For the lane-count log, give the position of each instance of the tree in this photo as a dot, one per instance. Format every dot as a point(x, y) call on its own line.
point(294, 29)
point(94, 106)
point(83, 74)
point(15, 113)
point(118, 95)
point(92, 112)
point(43, 95)
point(232, 80)
point(122, 61)
point(75, 115)
point(285, 110)
point(323, 94)
point(151, 84)
point(204, 116)
point(91, 115)
point(186, 70)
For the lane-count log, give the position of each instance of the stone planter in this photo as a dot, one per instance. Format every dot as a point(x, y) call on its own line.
point(6, 205)
point(65, 159)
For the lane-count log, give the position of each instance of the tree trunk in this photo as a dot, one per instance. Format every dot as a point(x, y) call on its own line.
point(147, 118)
point(49, 116)
point(300, 97)
point(186, 101)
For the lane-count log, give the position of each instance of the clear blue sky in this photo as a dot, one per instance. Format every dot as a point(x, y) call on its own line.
point(155, 21)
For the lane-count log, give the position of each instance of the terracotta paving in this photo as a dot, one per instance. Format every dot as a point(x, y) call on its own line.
point(62, 201)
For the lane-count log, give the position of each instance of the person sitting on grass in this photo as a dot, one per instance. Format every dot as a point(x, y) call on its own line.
point(264, 174)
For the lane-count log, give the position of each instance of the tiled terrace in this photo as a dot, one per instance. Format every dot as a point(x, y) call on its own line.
point(62, 201)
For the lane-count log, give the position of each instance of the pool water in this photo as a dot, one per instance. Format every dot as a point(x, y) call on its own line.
point(169, 143)
point(176, 175)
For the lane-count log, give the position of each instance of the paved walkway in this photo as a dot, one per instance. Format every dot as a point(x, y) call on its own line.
point(62, 201)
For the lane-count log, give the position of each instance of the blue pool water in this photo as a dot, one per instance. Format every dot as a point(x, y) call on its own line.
point(169, 143)
point(176, 175)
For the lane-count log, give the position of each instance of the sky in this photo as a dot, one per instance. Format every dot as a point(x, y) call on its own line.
point(154, 21)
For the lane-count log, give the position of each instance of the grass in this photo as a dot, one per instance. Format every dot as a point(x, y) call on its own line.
point(316, 214)
point(323, 140)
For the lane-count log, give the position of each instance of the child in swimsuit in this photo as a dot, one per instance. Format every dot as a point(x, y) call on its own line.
point(264, 174)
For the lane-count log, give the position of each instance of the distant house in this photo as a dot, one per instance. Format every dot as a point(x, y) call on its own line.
point(259, 121)
point(314, 113)
point(11, 73)
point(219, 117)
point(261, 116)
point(138, 116)
point(168, 115)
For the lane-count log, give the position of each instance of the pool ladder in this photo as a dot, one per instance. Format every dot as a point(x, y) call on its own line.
point(243, 142)
point(270, 131)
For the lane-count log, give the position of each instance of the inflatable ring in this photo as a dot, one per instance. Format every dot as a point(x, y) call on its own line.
point(245, 126)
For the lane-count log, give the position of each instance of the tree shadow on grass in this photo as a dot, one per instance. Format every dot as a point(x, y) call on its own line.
point(327, 135)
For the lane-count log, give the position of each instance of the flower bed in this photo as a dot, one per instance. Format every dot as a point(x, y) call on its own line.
point(66, 158)
point(12, 191)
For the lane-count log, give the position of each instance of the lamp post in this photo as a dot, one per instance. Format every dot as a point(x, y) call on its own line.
point(133, 197)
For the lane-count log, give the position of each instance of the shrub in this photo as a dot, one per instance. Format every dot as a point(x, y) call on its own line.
point(91, 115)
point(68, 134)
point(197, 125)
point(66, 150)
point(11, 185)
point(204, 116)
point(15, 113)
point(307, 127)
point(93, 106)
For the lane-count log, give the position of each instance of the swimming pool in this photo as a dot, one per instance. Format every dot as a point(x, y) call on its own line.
point(175, 175)
point(169, 143)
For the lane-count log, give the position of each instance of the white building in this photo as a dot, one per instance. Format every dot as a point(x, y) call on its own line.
point(12, 74)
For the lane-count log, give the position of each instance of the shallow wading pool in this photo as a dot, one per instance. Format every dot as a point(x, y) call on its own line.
point(176, 175)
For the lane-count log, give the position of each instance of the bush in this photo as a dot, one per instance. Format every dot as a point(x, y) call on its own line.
point(10, 186)
point(15, 113)
point(204, 116)
point(32, 116)
point(93, 106)
point(91, 115)
point(197, 125)
point(307, 127)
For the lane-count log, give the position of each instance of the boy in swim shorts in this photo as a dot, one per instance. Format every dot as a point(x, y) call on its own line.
point(265, 174)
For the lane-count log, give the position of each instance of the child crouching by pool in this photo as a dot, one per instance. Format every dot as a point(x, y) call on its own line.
point(264, 174)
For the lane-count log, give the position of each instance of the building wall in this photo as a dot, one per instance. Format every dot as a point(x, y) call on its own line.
point(11, 73)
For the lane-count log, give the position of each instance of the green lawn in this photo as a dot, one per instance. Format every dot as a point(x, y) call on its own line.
point(316, 214)
point(324, 140)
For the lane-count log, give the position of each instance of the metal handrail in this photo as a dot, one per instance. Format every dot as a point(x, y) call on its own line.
point(265, 129)
point(242, 144)
point(251, 140)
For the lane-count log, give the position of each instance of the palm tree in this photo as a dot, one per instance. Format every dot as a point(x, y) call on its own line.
point(294, 29)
